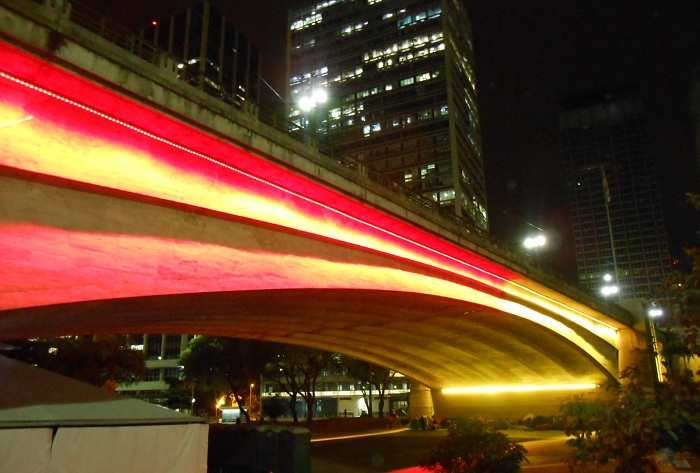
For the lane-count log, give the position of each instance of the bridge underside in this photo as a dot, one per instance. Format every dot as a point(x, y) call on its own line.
point(117, 218)
point(85, 261)
point(438, 341)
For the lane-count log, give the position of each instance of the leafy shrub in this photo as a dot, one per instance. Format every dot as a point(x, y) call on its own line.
point(470, 448)
point(542, 422)
point(640, 421)
point(501, 424)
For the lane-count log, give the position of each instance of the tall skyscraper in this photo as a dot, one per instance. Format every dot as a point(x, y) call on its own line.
point(399, 84)
point(619, 235)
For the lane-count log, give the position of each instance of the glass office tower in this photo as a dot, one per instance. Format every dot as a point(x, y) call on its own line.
point(400, 95)
point(619, 234)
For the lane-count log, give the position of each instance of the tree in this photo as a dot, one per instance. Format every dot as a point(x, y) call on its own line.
point(177, 396)
point(635, 425)
point(105, 361)
point(369, 376)
point(311, 367)
point(225, 365)
point(382, 378)
point(645, 417)
point(274, 408)
point(470, 448)
point(296, 370)
point(363, 372)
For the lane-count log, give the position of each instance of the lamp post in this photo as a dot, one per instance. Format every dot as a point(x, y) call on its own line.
point(650, 315)
point(250, 398)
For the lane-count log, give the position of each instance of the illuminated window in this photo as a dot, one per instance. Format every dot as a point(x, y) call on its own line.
point(447, 195)
point(408, 176)
point(435, 49)
point(314, 19)
point(408, 81)
point(423, 77)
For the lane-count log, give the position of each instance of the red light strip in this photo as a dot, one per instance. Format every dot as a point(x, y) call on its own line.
point(538, 298)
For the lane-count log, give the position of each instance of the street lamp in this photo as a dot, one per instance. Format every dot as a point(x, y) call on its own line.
point(535, 242)
point(312, 100)
point(652, 313)
point(309, 102)
point(250, 398)
point(610, 288)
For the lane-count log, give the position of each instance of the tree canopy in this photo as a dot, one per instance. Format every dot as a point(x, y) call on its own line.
point(295, 370)
point(225, 365)
point(105, 361)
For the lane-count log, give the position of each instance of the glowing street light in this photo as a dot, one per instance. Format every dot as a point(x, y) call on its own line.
point(311, 101)
point(655, 312)
point(609, 289)
point(534, 242)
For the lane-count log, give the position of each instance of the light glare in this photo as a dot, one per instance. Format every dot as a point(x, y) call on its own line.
point(521, 388)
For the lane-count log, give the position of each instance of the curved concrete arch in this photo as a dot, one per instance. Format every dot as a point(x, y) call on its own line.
point(110, 251)
point(436, 347)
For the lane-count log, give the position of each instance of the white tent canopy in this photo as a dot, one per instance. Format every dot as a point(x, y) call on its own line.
point(51, 423)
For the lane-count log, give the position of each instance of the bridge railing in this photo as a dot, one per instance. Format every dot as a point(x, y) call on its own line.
point(88, 18)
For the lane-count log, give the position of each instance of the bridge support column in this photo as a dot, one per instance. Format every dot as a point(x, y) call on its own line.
point(420, 401)
point(631, 341)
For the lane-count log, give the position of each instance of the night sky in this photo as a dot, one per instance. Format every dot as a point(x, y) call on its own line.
point(529, 54)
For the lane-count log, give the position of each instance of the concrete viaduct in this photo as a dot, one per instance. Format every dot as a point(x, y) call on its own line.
point(132, 202)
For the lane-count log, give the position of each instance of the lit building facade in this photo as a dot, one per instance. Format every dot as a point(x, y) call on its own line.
point(619, 235)
point(209, 52)
point(401, 94)
point(337, 394)
point(162, 353)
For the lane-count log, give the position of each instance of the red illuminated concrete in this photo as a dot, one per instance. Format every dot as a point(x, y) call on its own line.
point(115, 217)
